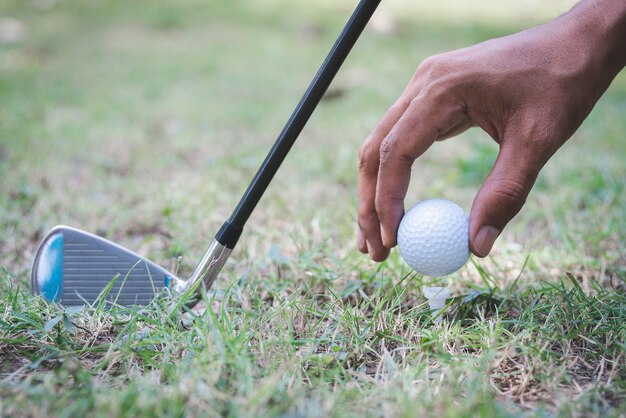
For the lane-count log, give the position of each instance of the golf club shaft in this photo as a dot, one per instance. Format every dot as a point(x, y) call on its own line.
point(232, 228)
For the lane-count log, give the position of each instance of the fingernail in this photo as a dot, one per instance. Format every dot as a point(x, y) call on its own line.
point(387, 240)
point(484, 240)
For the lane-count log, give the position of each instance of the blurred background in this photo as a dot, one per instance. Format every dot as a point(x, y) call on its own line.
point(144, 121)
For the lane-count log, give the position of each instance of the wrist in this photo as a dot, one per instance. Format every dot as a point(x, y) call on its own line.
point(601, 24)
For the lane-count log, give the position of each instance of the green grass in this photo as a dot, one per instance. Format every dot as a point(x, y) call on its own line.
point(144, 122)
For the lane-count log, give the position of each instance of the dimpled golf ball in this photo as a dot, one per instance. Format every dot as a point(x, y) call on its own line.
point(433, 237)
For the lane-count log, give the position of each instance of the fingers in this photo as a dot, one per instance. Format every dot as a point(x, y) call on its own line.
point(361, 241)
point(408, 139)
point(407, 130)
point(421, 125)
point(369, 240)
point(501, 197)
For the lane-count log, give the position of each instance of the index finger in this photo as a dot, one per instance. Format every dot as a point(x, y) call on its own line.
point(417, 129)
point(369, 226)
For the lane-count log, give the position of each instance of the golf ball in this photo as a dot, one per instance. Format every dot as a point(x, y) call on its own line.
point(433, 237)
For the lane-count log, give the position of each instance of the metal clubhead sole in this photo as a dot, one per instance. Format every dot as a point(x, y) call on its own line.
point(74, 267)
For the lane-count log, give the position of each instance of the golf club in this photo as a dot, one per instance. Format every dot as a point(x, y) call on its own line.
point(74, 267)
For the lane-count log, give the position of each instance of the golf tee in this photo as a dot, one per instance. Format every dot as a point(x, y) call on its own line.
point(437, 298)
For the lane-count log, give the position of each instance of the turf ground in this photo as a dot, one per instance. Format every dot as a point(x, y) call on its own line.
point(144, 122)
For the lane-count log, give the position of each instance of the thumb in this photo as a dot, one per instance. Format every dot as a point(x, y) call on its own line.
point(501, 196)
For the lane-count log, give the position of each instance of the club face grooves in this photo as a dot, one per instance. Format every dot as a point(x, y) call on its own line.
point(73, 267)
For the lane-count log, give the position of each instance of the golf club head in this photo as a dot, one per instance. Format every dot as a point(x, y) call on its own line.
point(74, 267)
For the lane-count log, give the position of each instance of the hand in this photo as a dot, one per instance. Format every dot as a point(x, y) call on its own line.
point(529, 91)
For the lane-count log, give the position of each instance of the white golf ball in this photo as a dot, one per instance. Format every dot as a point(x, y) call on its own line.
point(433, 237)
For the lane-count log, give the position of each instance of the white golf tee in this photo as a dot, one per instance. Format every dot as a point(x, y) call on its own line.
point(437, 297)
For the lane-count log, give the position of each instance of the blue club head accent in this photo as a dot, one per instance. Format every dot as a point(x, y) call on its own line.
point(49, 276)
point(166, 281)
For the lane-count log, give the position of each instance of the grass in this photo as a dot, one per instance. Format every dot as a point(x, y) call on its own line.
point(144, 121)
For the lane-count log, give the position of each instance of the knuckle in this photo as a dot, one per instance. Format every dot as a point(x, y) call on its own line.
point(391, 152)
point(367, 217)
point(388, 147)
point(512, 192)
point(439, 68)
point(439, 97)
point(366, 155)
point(423, 69)
point(428, 62)
point(433, 66)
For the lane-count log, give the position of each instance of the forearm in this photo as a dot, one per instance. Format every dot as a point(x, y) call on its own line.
point(602, 25)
